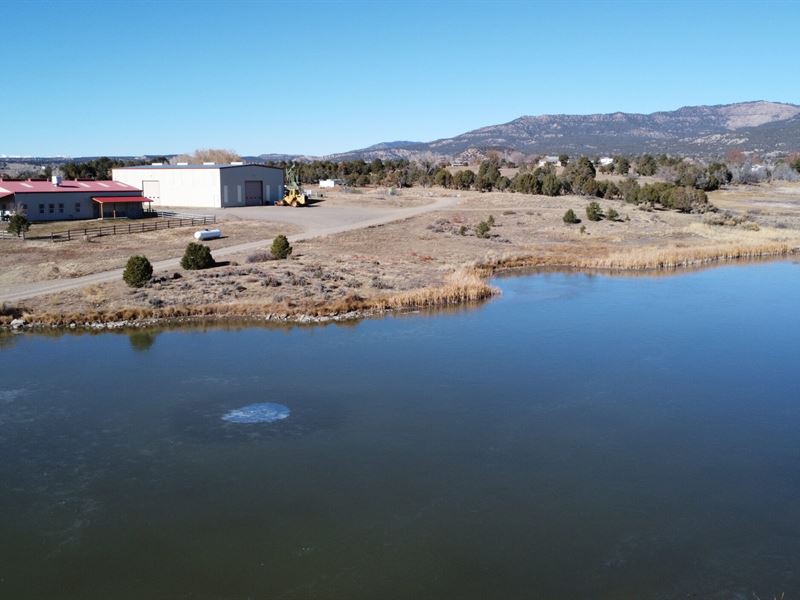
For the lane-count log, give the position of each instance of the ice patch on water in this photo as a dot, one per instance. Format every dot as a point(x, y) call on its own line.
point(265, 412)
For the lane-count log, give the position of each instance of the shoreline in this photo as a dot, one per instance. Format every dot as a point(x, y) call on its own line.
point(462, 288)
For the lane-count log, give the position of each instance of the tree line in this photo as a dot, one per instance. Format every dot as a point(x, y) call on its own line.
point(100, 168)
point(683, 187)
point(687, 193)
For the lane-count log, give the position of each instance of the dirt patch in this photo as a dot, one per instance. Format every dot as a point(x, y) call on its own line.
point(26, 261)
point(376, 197)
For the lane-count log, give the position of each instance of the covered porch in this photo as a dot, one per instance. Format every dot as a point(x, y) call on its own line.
point(118, 207)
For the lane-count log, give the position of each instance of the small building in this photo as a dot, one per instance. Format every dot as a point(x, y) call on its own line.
point(330, 183)
point(549, 160)
point(605, 161)
point(205, 186)
point(59, 200)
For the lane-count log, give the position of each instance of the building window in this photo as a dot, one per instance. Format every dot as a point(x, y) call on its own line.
point(60, 208)
point(77, 207)
point(41, 209)
point(51, 208)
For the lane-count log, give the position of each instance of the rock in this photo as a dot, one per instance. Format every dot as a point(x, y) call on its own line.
point(17, 323)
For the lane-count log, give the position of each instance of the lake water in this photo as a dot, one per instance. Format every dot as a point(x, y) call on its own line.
point(579, 437)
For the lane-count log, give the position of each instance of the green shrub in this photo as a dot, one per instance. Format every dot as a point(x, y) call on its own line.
point(646, 165)
point(463, 180)
point(612, 215)
point(138, 271)
point(443, 177)
point(502, 183)
point(593, 211)
point(196, 257)
point(482, 229)
point(551, 185)
point(280, 247)
point(18, 224)
point(569, 217)
point(490, 221)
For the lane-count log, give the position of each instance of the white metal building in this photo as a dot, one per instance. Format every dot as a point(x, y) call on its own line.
point(206, 185)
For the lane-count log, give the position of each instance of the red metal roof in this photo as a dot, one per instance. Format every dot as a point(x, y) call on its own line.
point(119, 199)
point(37, 187)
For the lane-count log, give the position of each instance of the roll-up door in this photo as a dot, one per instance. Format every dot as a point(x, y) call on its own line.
point(253, 193)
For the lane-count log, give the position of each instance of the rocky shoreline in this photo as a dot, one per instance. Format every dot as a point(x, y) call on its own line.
point(19, 324)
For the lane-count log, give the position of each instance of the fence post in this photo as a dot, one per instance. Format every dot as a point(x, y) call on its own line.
point(69, 236)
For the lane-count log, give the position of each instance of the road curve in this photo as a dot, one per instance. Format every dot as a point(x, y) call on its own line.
point(18, 292)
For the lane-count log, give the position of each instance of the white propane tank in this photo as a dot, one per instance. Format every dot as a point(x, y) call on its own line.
point(207, 234)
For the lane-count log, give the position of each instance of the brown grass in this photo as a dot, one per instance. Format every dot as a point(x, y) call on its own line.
point(462, 286)
point(648, 259)
point(674, 258)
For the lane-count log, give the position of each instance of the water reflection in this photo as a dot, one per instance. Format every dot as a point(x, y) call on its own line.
point(142, 340)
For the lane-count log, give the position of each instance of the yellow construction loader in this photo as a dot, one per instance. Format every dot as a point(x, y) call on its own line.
point(295, 195)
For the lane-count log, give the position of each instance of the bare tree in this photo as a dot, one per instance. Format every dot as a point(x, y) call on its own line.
point(215, 155)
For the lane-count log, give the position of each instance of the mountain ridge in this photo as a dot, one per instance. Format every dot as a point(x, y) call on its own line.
point(703, 130)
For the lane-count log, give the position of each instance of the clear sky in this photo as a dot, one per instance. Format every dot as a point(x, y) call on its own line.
point(106, 77)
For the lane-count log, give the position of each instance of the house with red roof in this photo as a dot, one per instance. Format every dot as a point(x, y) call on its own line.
point(58, 200)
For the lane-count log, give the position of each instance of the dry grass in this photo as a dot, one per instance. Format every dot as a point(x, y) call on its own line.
point(674, 258)
point(95, 294)
point(22, 262)
point(462, 286)
point(646, 259)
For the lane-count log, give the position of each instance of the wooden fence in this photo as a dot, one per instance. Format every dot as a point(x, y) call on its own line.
point(124, 228)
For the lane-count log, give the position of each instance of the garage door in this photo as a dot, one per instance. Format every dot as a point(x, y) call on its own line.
point(253, 193)
point(152, 190)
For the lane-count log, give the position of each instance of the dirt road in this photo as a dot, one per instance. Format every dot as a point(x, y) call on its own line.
point(316, 221)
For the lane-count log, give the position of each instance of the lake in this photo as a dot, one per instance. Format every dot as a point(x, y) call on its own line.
point(581, 436)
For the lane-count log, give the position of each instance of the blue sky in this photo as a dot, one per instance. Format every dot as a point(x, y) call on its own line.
point(88, 78)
